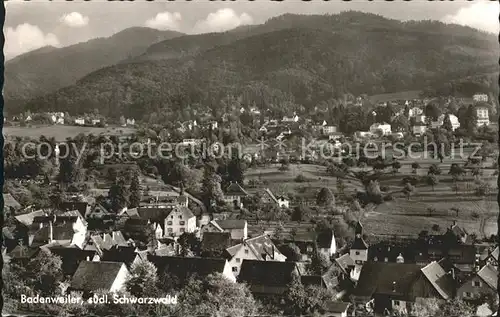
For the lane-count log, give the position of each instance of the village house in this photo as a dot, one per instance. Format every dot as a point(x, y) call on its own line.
point(69, 228)
point(72, 256)
point(358, 252)
point(91, 276)
point(329, 129)
point(398, 286)
point(237, 228)
point(260, 248)
point(268, 278)
point(79, 121)
point(57, 117)
point(181, 219)
point(419, 129)
point(483, 282)
point(414, 111)
point(480, 98)
point(130, 121)
point(483, 117)
point(455, 124)
point(382, 128)
point(267, 197)
point(184, 267)
point(234, 194)
point(294, 118)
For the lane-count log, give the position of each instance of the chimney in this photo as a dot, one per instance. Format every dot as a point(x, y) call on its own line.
point(88, 258)
point(452, 272)
point(394, 286)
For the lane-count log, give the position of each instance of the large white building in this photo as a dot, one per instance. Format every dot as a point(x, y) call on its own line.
point(385, 128)
point(181, 219)
point(483, 117)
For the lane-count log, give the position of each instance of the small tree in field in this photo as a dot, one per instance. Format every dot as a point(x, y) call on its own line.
point(432, 180)
point(415, 166)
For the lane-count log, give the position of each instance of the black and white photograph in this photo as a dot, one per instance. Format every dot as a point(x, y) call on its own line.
point(250, 158)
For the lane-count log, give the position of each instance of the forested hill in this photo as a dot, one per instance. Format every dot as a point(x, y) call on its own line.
point(282, 64)
point(48, 69)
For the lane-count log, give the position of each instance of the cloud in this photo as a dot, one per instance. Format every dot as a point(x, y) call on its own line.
point(75, 20)
point(222, 20)
point(26, 37)
point(479, 15)
point(165, 21)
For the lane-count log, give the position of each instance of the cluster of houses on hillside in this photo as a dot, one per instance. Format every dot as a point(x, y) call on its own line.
point(381, 276)
point(59, 118)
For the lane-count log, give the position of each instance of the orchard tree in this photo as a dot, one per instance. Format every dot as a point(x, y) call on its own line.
point(415, 166)
point(325, 197)
point(432, 180)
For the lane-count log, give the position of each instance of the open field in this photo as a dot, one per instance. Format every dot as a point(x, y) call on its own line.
point(61, 132)
point(403, 95)
point(400, 216)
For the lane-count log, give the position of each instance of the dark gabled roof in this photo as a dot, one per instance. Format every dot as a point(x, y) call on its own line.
point(10, 201)
point(92, 276)
point(231, 224)
point(125, 255)
point(344, 262)
point(182, 268)
point(324, 239)
point(154, 214)
point(215, 241)
point(313, 280)
point(59, 232)
point(81, 206)
point(267, 192)
point(267, 273)
point(132, 213)
point(23, 252)
point(359, 244)
point(234, 189)
point(489, 275)
point(101, 208)
point(336, 307)
point(261, 246)
point(458, 231)
point(387, 278)
point(440, 279)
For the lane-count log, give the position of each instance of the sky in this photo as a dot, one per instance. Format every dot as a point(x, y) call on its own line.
point(37, 23)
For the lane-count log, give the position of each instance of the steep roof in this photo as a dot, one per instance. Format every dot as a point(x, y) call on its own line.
point(125, 255)
point(235, 189)
point(231, 224)
point(185, 211)
point(267, 192)
point(359, 244)
point(387, 278)
point(495, 253)
point(261, 246)
point(10, 201)
point(267, 273)
point(72, 215)
point(81, 206)
point(184, 267)
point(92, 276)
point(154, 214)
point(344, 262)
point(442, 281)
point(132, 213)
point(27, 219)
point(23, 252)
point(489, 275)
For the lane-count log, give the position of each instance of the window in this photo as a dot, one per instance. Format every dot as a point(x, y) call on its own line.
point(171, 217)
point(170, 229)
point(181, 230)
point(467, 294)
point(396, 303)
point(169, 223)
point(235, 269)
point(476, 283)
point(357, 253)
point(309, 249)
point(181, 223)
point(180, 217)
point(246, 251)
point(238, 260)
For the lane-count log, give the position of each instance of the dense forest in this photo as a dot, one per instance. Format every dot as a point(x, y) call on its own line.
point(291, 62)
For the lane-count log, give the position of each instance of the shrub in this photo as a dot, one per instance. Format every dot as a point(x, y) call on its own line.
point(300, 178)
